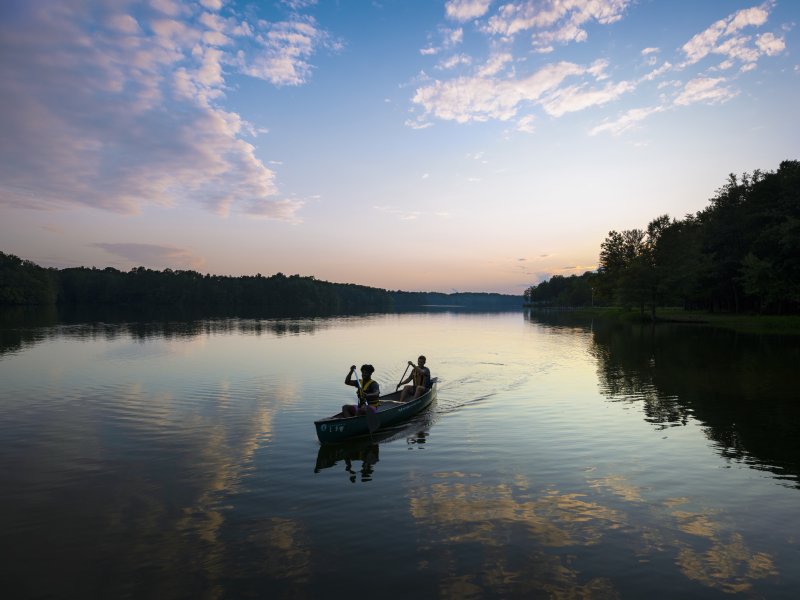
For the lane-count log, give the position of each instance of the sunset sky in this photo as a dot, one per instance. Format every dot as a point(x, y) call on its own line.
point(466, 145)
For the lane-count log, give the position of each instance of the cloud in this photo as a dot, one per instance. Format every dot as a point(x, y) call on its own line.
point(418, 123)
point(466, 10)
point(454, 61)
point(554, 21)
point(626, 121)
point(496, 64)
point(578, 268)
point(500, 89)
point(705, 89)
point(450, 38)
point(579, 97)
point(468, 99)
point(481, 97)
point(769, 44)
point(171, 8)
point(282, 51)
point(724, 38)
point(120, 110)
point(154, 255)
point(650, 55)
point(410, 215)
point(495, 91)
point(708, 90)
point(525, 124)
point(293, 4)
point(655, 73)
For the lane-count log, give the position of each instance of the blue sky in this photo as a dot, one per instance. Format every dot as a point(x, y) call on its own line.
point(418, 145)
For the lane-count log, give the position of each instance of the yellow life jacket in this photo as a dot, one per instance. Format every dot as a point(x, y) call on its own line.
point(362, 393)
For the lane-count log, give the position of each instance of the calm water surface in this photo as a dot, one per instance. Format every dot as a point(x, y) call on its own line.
point(561, 460)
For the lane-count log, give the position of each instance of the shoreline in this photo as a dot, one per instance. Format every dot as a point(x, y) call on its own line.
point(759, 324)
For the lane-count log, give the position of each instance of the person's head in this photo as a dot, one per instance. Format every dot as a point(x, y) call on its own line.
point(421, 361)
point(367, 370)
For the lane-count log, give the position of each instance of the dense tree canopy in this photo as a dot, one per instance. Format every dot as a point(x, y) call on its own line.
point(563, 291)
point(24, 283)
point(741, 253)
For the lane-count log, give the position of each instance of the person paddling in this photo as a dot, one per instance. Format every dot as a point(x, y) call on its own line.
point(368, 392)
point(421, 375)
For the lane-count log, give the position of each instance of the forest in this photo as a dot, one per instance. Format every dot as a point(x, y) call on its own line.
point(23, 283)
point(741, 254)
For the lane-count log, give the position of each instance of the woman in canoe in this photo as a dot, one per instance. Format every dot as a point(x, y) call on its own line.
point(368, 392)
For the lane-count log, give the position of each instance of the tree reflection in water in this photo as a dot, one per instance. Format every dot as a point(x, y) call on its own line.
point(741, 387)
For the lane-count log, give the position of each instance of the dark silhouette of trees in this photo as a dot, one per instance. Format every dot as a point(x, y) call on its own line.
point(560, 291)
point(461, 300)
point(25, 283)
point(752, 233)
point(741, 253)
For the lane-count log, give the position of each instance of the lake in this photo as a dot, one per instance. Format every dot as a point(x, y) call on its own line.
point(563, 458)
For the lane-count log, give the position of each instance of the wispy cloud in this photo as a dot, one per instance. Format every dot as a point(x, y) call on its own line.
point(554, 22)
point(448, 38)
point(409, 215)
point(725, 38)
point(579, 97)
point(495, 91)
point(454, 61)
point(709, 90)
point(465, 10)
point(154, 255)
point(498, 87)
point(526, 124)
point(282, 51)
point(133, 118)
point(626, 121)
point(489, 95)
point(657, 72)
point(402, 214)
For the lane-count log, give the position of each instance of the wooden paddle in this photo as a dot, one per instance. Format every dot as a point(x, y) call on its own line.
point(397, 387)
point(373, 421)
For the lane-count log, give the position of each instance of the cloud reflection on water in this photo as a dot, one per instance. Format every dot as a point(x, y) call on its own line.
point(515, 539)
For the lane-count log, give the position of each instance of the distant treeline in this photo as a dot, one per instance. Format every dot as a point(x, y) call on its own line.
point(740, 254)
point(23, 282)
point(461, 300)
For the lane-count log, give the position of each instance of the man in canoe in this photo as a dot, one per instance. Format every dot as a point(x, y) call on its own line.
point(422, 380)
point(368, 392)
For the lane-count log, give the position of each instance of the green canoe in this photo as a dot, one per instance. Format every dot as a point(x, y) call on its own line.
point(390, 412)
